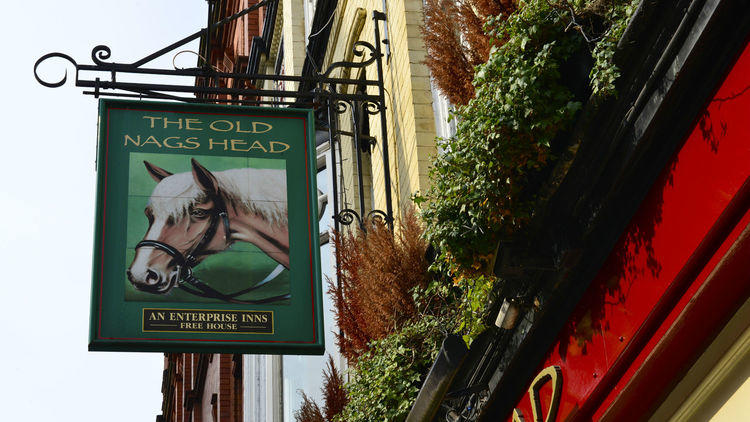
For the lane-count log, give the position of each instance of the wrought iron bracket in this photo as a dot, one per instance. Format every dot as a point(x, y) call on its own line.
point(106, 78)
point(91, 75)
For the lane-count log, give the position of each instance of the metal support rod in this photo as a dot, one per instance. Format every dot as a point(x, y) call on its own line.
point(134, 86)
point(358, 151)
point(197, 35)
point(368, 138)
point(197, 72)
point(333, 170)
point(158, 95)
point(209, 29)
point(379, 16)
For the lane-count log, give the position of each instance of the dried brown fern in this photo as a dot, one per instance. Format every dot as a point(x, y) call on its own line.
point(377, 272)
point(309, 411)
point(488, 8)
point(455, 42)
point(334, 394)
point(352, 335)
point(448, 64)
point(334, 398)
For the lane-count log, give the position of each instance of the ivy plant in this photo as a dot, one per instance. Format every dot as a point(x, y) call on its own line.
point(482, 183)
point(387, 379)
point(604, 73)
point(478, 192)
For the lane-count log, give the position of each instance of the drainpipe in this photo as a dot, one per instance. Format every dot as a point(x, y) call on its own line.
point(449, 360)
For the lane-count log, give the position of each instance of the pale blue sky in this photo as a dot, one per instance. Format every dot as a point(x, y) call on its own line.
point(46, 215)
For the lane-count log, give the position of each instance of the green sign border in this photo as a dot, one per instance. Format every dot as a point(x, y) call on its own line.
point(298, 326)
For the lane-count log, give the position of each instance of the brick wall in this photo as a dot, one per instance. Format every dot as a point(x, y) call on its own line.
point(202, 388)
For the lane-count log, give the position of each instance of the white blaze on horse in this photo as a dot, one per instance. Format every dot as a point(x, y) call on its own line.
point(195, 214)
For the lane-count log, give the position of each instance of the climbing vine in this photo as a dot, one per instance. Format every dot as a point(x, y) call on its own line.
point(604, 73)
point(483, 181)
point(478, 192)
point(389, 376)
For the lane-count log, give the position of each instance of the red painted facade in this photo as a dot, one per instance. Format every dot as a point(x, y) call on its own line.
point(672, 280)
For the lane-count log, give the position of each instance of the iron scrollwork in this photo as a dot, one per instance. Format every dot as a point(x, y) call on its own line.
point(380, 217)
point(369, 100)
point(100, 53)
point(358, 49)
point(361, 108)
point(341, 106)
point(64, 79)
point(372, 108)
point(118, 87)
point(348, 216)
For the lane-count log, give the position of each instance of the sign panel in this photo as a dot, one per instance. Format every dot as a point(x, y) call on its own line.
point(206, 233)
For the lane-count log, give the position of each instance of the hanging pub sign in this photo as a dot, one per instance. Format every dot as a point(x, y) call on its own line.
point(206, 233)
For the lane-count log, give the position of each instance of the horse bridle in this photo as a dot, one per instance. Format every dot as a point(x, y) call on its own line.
point(185, 262)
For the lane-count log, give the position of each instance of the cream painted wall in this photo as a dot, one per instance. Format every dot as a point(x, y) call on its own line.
point(737, 408)
point(293, 15)
point(717, 387)
point(410, 115)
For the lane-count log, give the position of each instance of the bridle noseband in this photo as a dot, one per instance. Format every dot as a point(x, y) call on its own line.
point(185, 262)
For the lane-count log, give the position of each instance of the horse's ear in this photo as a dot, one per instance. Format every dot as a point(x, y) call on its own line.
point(157, 173)
point(204, 178)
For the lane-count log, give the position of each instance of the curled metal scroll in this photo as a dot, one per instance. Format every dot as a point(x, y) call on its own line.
point(348, 216)
point(62, 81)
point(101, 53)
point(379, 217)
point(359, 48)
point(372, 108)
point(341, 106)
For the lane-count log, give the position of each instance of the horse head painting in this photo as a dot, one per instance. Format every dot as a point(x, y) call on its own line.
point(195, 214)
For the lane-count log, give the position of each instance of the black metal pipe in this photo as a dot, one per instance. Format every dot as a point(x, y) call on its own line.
point(208, 29)
point(197, 72)
point(358, 151)
point(378, 16)
point(448, 362)
point(334, 176)
point(139, 87)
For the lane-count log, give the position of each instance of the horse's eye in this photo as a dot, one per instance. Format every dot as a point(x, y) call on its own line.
point(199, 213)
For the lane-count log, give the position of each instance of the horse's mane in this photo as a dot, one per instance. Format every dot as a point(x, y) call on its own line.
point(259, 191)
